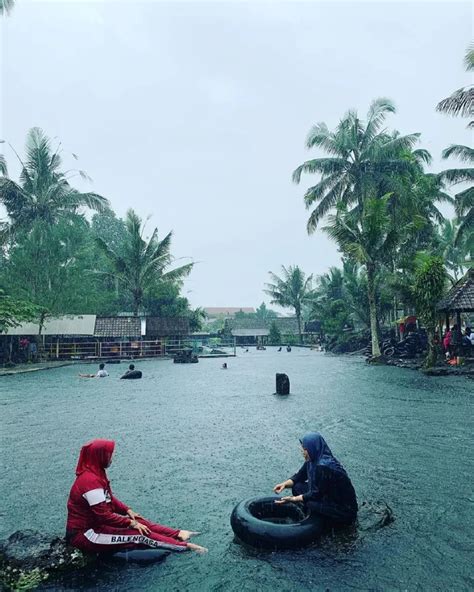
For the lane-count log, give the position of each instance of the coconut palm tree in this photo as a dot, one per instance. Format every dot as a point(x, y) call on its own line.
point(141, 263)
point(291, 290)
point(6, 6)
point(461, 102)
point(368, 237)
point(362, 156)
point(464, 200)
point(43, 195)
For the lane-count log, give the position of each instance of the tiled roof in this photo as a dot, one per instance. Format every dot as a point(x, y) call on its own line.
point(117, 327)
point(461, 296)
point(161, 327)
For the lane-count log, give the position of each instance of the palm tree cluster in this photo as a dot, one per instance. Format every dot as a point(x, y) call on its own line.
point(54, 257)
point(380, 206)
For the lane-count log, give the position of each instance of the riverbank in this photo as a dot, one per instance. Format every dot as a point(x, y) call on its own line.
point(26, 368)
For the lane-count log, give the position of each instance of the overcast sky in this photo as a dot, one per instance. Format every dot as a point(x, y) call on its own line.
point(196, 113)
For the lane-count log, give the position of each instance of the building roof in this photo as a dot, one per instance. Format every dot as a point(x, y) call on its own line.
point(249, 332)
point(216, 311)
point(118, 327)
point(253, 326)
point(66, 325)
point(162, 327)
point(286, 325)
point(461, 296)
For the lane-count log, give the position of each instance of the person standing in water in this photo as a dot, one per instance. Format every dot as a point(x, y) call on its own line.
point(97, 522)
point(321, 484)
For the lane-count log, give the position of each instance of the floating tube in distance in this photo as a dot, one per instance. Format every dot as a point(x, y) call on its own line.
point(132, 374)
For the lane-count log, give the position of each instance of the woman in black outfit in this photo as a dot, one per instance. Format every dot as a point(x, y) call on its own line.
point(321, 484)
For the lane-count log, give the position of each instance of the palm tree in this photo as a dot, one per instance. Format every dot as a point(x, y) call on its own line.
point(454, 253)
point(140, 264)
point(6, 6)
point(291, 290)
point(464, 200)
point(369, 238)
point(43, 196)
point(362, 157)
point(461, 102)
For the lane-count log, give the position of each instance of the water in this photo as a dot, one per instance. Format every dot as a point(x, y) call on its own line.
point(193, 440)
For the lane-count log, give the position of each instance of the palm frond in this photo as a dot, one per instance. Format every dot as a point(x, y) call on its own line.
point(463, 153)
point(461, 102)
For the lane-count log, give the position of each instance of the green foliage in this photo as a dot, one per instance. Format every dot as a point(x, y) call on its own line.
point(140, 264)
point(291, 290)
point(14, 312)
point(43, 196)
point(428, 289)
point(274, 335)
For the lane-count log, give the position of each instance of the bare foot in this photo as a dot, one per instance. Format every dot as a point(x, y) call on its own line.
point(197, 548)
point(185, 535)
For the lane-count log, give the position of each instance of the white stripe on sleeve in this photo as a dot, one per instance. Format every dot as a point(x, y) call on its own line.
point(94, 496)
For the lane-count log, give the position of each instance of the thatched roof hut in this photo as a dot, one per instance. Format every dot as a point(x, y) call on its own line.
point(461, 296)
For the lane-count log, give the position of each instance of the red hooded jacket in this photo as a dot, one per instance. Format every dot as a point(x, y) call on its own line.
point(91, 502)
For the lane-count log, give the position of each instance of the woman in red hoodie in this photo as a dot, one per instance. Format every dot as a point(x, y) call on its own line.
point(98, 522)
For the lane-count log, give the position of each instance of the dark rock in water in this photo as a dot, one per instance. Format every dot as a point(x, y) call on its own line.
point(27, 558)
point(374, 515)
point(282, 384)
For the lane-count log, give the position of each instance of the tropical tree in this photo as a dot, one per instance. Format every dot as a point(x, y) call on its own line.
point(362, 157)
point(274, 334)
point(6, 6)
point(264, 314)
point(454, 252)
point(464, 200)
point(369, 239)
point(43, 195)
point(13, 312)
point(461, 102)
point(291, 290)
point(140, 264)
point(428, 289)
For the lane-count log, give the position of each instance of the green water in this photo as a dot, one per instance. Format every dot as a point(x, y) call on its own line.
point(193, 440)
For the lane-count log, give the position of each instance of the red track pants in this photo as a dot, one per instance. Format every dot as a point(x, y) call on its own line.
point(106, 539)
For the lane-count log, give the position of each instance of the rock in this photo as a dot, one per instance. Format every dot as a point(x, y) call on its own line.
point(282, 384)
point(27, 558)
point(374, 515)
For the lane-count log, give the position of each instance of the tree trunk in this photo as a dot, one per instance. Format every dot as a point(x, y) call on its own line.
point(298, 318)
point(373, 311)
point(432, 354)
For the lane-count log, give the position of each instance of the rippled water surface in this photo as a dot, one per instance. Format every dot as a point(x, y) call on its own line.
point(193, 440)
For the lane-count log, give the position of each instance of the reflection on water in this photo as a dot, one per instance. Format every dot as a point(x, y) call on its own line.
point(193, 440)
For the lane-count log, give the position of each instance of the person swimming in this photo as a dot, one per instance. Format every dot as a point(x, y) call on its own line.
point(98, 522)
point(101, 373)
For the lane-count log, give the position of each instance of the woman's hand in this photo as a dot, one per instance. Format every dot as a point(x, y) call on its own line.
point(290, 498)
point(142, 528)
point(185, 535)
point(197, 548)
point(279, 487)
point(133, 515)
point(286, 499)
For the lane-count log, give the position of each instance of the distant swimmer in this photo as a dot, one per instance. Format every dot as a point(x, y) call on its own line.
point(279, 349)
point(224, 366)
point(102, 373)
point(132, 373)
point(288, 348)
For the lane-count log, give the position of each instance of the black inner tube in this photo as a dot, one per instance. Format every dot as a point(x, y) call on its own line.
point(269, 511)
